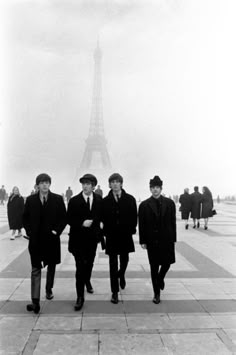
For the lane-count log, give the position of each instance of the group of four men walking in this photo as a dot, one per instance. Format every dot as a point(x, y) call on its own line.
point(92, 218)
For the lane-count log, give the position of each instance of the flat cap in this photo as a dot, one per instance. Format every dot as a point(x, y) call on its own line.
point(89, 177)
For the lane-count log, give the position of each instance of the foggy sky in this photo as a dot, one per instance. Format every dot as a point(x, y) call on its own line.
point(168, 82)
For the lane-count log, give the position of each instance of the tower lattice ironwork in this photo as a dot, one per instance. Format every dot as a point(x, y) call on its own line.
point(96, 141)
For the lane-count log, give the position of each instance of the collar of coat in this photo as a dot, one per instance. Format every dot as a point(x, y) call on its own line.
point(111, 195)
point(152, 204)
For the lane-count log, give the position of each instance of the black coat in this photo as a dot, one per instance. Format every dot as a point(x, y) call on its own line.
point(15, 209)
point(81, 238)
point(120, 221)
point(39, 221)
point(158, 232)
point(186, 205)
point(196, 205)
point(207, 206)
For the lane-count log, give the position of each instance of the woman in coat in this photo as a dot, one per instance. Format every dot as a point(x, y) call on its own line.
point(15, 209)
point(207, 205)
point(186, 205)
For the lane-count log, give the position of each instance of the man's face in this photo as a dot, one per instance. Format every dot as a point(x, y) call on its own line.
point(116, 186)
point(44, 186)
point(87, 188)
point(156, 191)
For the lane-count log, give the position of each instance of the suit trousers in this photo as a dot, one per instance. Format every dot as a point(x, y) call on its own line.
point(36, 281)
point(158, 272)
point(84, 266)
point(114, 273)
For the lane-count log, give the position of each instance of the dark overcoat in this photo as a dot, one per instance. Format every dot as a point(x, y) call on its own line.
point(207, 206)
point(82, 239)
point(39, 222)
point(15, 209)
point(158, 232)
point(196, 205)
point(120, 221)
point(186, 205)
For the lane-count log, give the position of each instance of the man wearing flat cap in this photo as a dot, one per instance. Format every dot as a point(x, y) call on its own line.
point(157, 234)
point(44, 220)
point(84, 218)
point(120, 220)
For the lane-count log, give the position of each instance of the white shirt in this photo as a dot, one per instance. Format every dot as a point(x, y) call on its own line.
point(90, 199)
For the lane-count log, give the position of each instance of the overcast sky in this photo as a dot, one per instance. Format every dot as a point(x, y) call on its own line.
point(168, 81)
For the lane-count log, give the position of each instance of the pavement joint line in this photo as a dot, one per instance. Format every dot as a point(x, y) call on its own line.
point(218, 331)
point(226, 340)
point(32, 342)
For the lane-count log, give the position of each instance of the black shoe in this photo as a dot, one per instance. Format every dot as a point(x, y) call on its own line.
point(79, 304)
point(49, 295)
point(114, 298)
point(122, 282)
point(205, 227)
point(26, 237)
point(156, 298)
point(198, 224)
point(186, 227)
point(194, 226)
point(33, 307)
point(89, 287)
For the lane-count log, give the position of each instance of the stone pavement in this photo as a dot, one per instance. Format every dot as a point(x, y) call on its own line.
point(197, 314)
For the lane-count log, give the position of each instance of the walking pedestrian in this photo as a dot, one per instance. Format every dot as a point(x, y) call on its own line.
point(69, 194)
point(44, 220)
point(196, 198)
point(2, 195)
point(15, 209)
point(84, 218)
point(157, 234)
point(120, 220)
point(99, 191)
point(207, 205)
point(186, 205)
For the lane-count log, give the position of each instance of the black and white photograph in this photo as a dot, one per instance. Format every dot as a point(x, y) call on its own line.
point(117, 179)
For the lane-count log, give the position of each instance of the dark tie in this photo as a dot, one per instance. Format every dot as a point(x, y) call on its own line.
point(44, 201)
point(88, 204)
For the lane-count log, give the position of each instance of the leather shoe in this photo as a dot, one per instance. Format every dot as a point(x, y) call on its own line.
point(79, 304)
point(156, 298)
point(89, 287)
point(49, 295)
point(122, 282)
point(33, 307)
point(114, 298)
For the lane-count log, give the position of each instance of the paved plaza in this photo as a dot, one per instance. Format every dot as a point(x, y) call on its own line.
point(197, 313)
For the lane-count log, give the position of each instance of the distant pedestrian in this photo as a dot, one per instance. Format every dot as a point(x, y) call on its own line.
point(69, 194)
point(207, 205)
point(15, 209)
point(120, 221)
point(44, 220)
point(157, 234)
point(84, 218)
point(196, 198)
point(99, 191)
point(218, 199)
point(2, 195)
point(186, 205)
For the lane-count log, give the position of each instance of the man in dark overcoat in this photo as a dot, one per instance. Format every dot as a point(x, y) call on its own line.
point(157, 234)
point(185, 201)
point(84, 218)
point(44, 220)
point(196, 198)
point(120, 220)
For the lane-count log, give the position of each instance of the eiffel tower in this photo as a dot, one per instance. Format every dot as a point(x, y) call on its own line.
point(96, 141)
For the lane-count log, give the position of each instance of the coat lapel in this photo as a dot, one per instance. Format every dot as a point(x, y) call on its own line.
point(152, 204)
point(163, 206)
